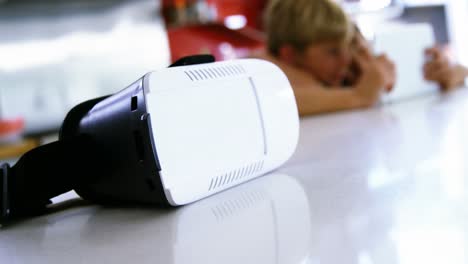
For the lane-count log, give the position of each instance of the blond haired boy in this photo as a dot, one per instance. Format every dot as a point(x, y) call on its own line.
point(316, 45)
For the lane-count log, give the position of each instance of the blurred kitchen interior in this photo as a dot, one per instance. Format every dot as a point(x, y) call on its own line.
point(55, 54)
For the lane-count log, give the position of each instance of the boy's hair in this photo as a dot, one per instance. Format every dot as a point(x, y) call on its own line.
point(300, 23)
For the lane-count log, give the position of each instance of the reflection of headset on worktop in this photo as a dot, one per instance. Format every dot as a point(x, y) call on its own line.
point(271, 215)
point(173, 137)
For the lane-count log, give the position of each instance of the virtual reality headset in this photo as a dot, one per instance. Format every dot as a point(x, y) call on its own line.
point(173, 137)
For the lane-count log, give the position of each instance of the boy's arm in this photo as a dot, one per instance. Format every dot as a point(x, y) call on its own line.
point(312, 97)
point(319, 100)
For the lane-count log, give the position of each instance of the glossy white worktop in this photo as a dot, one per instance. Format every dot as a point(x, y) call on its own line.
point(386, 185)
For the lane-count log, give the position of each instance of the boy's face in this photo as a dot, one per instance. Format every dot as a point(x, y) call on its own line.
point(327, 61)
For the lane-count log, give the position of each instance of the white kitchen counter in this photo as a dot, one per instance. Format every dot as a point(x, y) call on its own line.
point(385, 185)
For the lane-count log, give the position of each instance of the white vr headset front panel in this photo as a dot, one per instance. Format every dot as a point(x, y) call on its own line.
point(216, 125)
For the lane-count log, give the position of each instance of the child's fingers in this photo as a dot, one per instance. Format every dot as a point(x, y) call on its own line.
point(362, 59)
point(390, 72)
point(365, 52)
point(434, 53)
point(435, 74)
point(435, 66)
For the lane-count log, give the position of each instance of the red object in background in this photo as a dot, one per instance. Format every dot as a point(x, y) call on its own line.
point(10, 131)
point(215, 39)
point(252, 10)
point(11, 126)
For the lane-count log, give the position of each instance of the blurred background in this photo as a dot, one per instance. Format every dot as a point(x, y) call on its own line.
point(55, 54)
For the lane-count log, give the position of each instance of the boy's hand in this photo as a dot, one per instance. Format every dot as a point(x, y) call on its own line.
point(439, 69)
point(360, 45)
point(377, 74)
point(389, 72)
